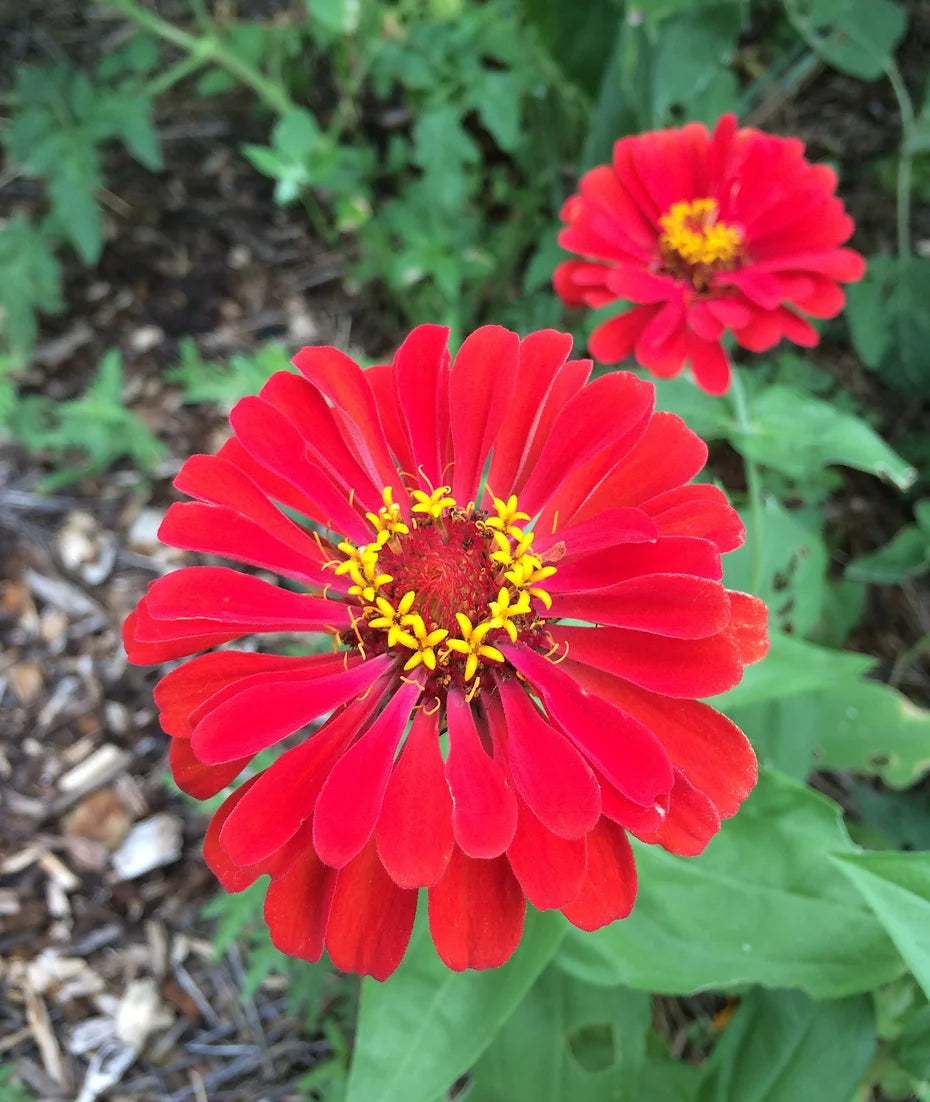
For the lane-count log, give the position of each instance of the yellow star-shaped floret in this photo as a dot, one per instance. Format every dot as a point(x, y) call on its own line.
point(434, 503)
point(392, 620)
point(422, 642)
point(472, 644)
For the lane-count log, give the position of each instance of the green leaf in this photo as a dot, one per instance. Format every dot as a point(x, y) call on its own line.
point(567, 1040)
point(692, 50)
point(906, 556)
point(31, 281)
point(781, 1046)
point(862, 34)
point(761, 905)
point(579, 37)
point(897, 888)
point(911, 1049)
point(422, 1028)
point(793, 666)
point(334, 17)
point(796, 434)
point(496, 98)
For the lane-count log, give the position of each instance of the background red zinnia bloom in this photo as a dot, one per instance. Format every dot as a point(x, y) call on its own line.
point(524, 599)
point(734, 231)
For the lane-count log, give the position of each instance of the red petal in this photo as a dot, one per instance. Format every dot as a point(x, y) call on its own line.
point(383, 382)
point(689, 824)
point(623, 749)
point(673, 667)
point(297, 906)
point(484, 374)
point(165, 641)
point(679, 606)
point(218, 530)
point(614, 564)
point(548, 772)
point(282, 798)
point(228, 598)
point(418, 365)
point(615, 339)
point(609, 888)
point(270, 708)
point(710, 366)
point(233, 877)
point(550, 869)
point(699, 510)
point(476, 913)
point(182, 691)
point(612, 527)
point(350, 801)
point(709, 749)
point(196, 779)
point(484, 815)
point(370, 920)
point(414, 831)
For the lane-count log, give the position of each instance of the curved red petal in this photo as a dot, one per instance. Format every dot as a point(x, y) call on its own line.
point(550, 869)
point(609, 888)
point(689, 824)
point(418, 365)
point(350, 801)
point(297, 906)
point(699, 510)
point(476, 913)
point(484, 815)
point(414, 832)
point(370, 918)
point(196, 779)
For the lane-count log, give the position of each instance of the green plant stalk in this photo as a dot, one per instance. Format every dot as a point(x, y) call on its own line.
point(753, 483)
point(905, 158)
point(207, 48)
point(174, 74)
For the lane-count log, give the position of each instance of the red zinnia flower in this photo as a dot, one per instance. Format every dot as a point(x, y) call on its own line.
point(524, 601)
point(733, 231)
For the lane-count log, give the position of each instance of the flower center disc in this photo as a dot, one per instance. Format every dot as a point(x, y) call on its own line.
point(693, 243)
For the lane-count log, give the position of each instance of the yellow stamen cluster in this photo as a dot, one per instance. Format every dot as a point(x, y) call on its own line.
point(520, 573)
point(690, 229)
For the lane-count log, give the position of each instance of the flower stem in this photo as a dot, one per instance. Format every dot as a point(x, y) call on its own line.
point(207, 48)
point(753, 484)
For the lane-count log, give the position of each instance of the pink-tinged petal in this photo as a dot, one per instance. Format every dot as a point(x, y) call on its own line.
point(271, 485)
point(822, 298)
point(710, 365)
point(282, 799)
point(636, 284)
point(418, 365)
point(350, 801)
point(370, 919)
point(673, 667)
point(710, 750)
point(611, 565)
point(269, 709)
point(609, 888)
point(476, 913)
point(383, 383)
point(587, 425)
point(273, 441)
point(550, 868)
point(615, 339)
point(729, 311)
point(344, 383)
point(721, 144)
point(484, 809)
point(748, 627)
point(569, 280)
point(762, 288)
point(608, 529)
point(601, 188)
point(183, 690)
point(762, 333)
point(548, 772)
point(218, 530)
point(297, 906)
point(624, 165)
point(699, 510)
point(668, 455)
point(623, 749)
point(414, 832)
point(220, 482)
point(196, 779)
point(541, 356)
point(304, 406)
point(679, 606)
point(690, 823)
point(484, 374)
point(148, 641)
point(229, 598)
point(844, 265)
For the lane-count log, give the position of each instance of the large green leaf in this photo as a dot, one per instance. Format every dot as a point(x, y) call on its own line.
point(796, 434)
point(567, 1040)
point(762, 905)
point(781, 1046)
point(897, 888)
point(859, 36)
point(905, 556)
point(420, 1030)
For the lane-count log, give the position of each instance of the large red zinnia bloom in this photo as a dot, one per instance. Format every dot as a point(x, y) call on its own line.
point(733, 231)
point(522, 594)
